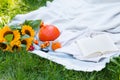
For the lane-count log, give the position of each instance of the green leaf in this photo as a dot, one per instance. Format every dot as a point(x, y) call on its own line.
point(25, 36)
point(6, 43)
point(27, 22)
point(15, 27)
point(9, 37)
point(23, 45)
point(33, 23)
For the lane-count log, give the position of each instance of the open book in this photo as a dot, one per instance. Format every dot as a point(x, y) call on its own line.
point(96, 46)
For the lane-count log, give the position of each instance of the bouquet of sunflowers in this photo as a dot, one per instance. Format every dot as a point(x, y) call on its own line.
point(16, 37)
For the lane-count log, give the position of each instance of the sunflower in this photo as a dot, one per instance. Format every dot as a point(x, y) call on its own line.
point(2, 40)
point(15, 45)
point(16, 35)
point(27, 42)
point(4, 46)
point(27, 30)
point(6, 30)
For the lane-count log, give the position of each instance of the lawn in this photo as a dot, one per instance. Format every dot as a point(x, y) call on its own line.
point(26, 66)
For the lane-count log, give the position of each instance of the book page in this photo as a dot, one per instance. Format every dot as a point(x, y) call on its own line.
point(96, 46)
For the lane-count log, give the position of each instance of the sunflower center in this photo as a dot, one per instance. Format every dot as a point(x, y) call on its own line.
point(15, 47)
point(24, 42)
point(3, 46)
point(27, 32)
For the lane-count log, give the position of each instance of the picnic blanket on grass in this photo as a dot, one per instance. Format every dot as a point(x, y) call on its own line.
point(78, 19)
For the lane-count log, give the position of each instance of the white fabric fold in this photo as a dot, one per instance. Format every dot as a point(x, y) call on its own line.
point(78, 19)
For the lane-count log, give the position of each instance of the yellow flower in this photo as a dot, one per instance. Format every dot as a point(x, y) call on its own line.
point(27, 42)
point(28, 30)
point(16, 35)
point(4, 46)
point(6, 30)
point(15, 45)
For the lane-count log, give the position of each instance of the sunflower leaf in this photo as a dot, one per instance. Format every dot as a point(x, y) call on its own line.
point(9, 37)
point(14, 27)
point(23, 45)
point(25, 36)
point(33, 23)
point(6, 43)
point(27, 22)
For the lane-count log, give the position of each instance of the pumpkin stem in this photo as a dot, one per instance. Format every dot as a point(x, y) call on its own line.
point(41, 24)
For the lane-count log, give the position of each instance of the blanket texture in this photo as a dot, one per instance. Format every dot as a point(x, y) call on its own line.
point(77, 19)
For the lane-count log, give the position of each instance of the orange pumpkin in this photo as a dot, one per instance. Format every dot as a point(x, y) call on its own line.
point(48, 33)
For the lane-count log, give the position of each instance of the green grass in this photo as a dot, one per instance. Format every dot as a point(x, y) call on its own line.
point(27, 66)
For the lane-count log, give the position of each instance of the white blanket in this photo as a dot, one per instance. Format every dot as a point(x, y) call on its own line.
point(78, 19)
